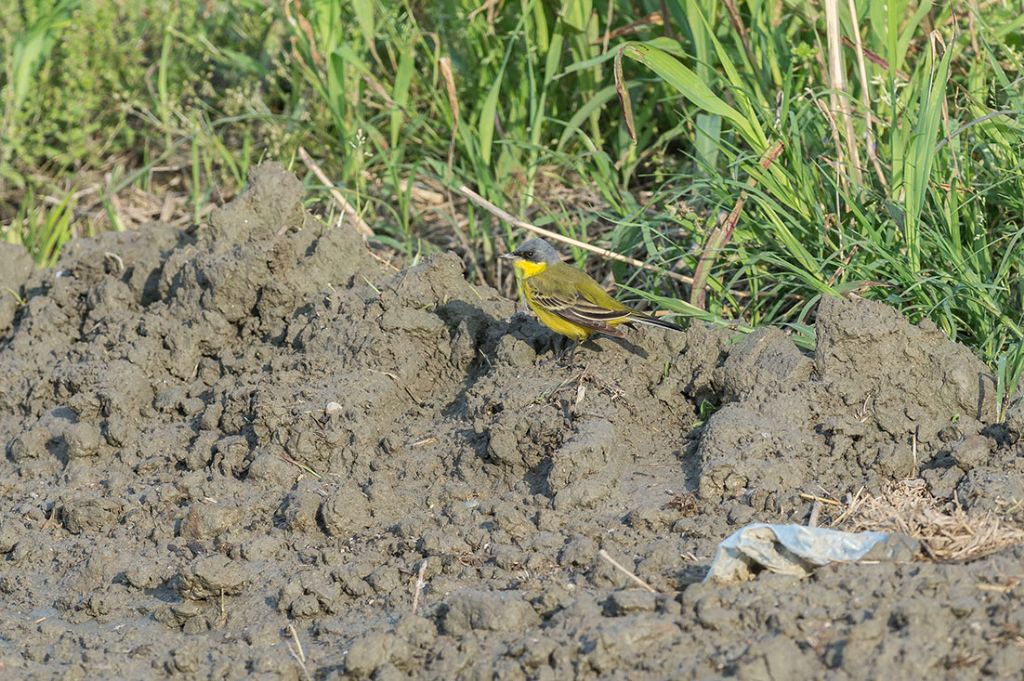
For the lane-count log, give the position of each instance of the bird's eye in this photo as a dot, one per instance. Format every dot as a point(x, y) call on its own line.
point(528, 255)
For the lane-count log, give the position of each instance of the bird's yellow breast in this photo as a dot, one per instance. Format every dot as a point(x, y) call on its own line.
point(526, 269)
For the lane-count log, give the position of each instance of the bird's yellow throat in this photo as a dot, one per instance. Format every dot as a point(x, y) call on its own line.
point(527, 269)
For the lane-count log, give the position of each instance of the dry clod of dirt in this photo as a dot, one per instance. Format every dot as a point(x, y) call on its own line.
point(246, 450)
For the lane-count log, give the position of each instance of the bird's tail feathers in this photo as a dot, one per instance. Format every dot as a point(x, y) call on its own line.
point(654, 321)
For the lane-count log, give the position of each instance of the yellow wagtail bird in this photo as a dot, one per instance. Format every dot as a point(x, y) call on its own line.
point(567, 300)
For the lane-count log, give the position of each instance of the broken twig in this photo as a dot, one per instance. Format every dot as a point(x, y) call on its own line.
point(618, 566)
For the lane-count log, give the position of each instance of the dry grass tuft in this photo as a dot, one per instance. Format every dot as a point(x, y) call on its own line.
point(946, 531)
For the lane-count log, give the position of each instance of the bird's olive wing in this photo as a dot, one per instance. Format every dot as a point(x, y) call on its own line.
point(573, 307)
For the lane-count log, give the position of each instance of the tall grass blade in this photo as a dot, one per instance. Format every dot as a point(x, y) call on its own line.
point(920, 155)
point(364, 17)
point(488, 113)
point(30, 49)
point(400, 91)
point(576, 14)
point(595, 103)
point(708, 141)
point(692, 87)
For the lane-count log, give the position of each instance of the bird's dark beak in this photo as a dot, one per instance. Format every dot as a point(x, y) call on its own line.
point(508, 256)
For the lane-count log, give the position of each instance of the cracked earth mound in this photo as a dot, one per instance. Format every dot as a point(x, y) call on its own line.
point(221, 442)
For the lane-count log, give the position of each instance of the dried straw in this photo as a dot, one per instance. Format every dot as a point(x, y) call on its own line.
point(946, 531)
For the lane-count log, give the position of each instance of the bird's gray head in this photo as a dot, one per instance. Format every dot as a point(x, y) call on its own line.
point(537, 250)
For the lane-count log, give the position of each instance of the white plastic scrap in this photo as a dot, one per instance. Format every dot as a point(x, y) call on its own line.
point(787, 549)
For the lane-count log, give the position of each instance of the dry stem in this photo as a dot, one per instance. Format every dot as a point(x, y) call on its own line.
point(419, 586)
point(618, 566)
point(298, 653)
point(555, 236)
point(346, 207)
point(946, 531)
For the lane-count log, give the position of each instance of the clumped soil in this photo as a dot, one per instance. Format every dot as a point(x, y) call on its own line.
point(225, 443)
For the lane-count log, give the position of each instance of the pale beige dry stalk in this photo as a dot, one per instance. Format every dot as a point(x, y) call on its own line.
point(947, 531)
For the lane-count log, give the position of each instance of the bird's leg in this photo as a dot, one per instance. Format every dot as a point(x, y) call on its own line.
point(573, 345)
point(561, 348)
point(568, 349)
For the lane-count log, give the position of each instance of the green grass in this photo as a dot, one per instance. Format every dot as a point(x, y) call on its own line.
point(901, 181)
